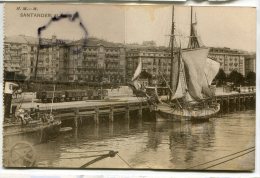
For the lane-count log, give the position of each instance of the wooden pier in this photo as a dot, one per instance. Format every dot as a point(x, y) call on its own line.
point(79, 111)
point(236, 98)
point(95, 112)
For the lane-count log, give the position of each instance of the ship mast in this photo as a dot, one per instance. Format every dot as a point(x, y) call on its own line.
point(172, 38)
point(193, 41)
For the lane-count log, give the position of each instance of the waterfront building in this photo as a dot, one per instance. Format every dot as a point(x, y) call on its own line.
point(231, 59)
point(66, 61)
point(19, 53)
point(156, 60)
point(20, 56)
point(250, 63)
point(98, 61)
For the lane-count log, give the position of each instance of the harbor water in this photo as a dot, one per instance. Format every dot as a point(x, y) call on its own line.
point(145, 144)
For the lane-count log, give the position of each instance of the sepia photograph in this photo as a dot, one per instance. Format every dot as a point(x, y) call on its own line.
point(127, 86)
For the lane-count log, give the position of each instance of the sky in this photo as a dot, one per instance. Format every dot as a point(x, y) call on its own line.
point(233, 27)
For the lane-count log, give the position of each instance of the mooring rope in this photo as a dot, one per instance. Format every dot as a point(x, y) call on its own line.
point(229, 159)
point(79, 157)
point(124, 161)
point(253, 148)
point(92, 151)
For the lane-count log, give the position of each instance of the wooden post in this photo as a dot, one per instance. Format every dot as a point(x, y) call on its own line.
point(76, 133)
point(235, 103)
point(140, 115)
point(127, 117)
point(111, 128)
point(243, 101)
point(76, 118)
point(239, 107)
point(111, 114)
point(127, 112)
point(96, 116)
point(228, 104)
point(96, 130)
point(221, 104)
point(140, 111)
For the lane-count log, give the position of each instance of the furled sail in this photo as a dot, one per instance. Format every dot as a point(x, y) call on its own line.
point(138, 70)
point(195, 34)
point(194, 62)
point(175, 75)
point(194, 41)
point(211, 69)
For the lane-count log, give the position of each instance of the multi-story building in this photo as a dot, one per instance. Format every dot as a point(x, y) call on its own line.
point(98, 59)
point(65, 60)
point(76, 61)
point(250, 63)
point(52, 55)
point(229, 59)
point(19, 54)
point(157, 59)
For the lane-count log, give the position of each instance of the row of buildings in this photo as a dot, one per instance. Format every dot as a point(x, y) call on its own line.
point(98, 60)
point(65, 61)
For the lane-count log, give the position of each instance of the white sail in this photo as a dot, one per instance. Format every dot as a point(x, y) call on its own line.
point(138, 70)
point(137, 84)
point(194, 62)
point(182, 88)
point(211, 69)
point(179, 90)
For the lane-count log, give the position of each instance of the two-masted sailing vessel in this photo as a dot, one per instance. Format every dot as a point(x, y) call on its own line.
point(191, 75)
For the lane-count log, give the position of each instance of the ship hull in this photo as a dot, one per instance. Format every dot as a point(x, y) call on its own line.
point(165, 112)
point(32, 133)
point(19, 141)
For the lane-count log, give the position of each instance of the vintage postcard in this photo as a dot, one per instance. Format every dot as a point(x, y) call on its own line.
point(129, 86)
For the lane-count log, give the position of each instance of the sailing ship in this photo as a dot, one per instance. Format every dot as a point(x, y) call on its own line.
point(191, 75)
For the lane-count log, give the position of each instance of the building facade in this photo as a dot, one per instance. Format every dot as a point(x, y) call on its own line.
point(229, 59)
point(99, 60)
point(157, 61)
point(66, 61)
point(19, 55)
point(250, 63)
point(96, 62)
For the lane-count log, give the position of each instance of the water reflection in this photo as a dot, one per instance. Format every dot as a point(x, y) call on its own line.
point(149, 144)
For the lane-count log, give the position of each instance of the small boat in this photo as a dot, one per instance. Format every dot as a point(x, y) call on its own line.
point(31, 126)
point(34, 130)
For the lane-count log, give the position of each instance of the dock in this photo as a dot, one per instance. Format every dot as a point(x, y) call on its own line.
point(95, 109)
